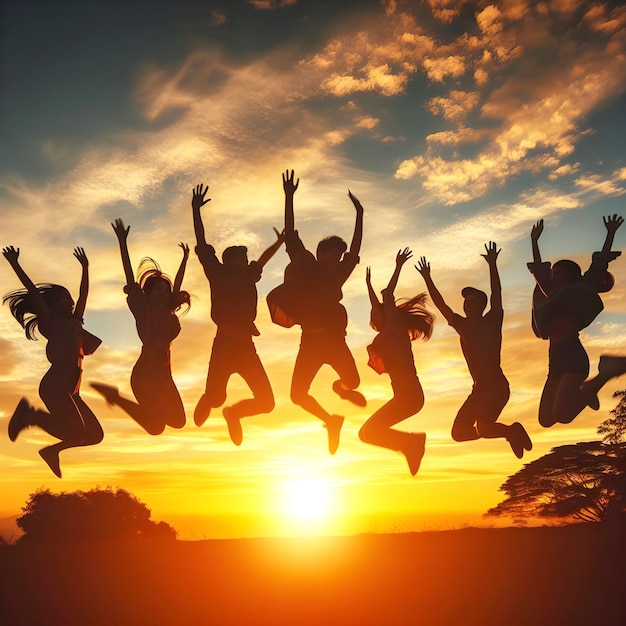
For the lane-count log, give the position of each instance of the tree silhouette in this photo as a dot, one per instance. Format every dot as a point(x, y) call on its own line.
point(584, 482)
point(95, 515)
point(613, 429)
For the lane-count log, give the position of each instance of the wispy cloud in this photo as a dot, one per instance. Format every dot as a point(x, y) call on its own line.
point(270, 4)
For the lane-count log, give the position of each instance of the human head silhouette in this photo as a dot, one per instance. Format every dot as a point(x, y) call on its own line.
point(474, 302)
point(565, 272)
point(158, 289)
point(236, 256)
point(158, 286)
point(24, 308)
point(59, 300)
point(330, 250)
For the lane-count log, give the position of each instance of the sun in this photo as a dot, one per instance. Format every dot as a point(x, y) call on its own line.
point(306, 498)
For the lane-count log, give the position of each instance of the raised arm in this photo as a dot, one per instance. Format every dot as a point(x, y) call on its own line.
point(357, 237)
point(374, 301)
point(198, 200)
point(377, 314)
point(180, 274)
point(12, 254)
point(611, 223)
point(535, 233)
point(423, 267)
point(121, 232)
point(81, 303)
point(596, 274)
point(290, 189)
point(271, 250)
point(491, 256)
point(401, 258)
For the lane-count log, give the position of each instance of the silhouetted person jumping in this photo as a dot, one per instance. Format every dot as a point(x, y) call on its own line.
point(481, 343)
point(397, 323)
point(153, 301)
point(233, 309)
point(50, 309)
point(566, 301)
point(311, 297)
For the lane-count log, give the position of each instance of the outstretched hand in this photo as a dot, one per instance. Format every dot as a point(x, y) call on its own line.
point(120, 230)
point(185, 249)
point(403, 256)
point(11, 254)
point(423, 267)
point(280, 235)
point(288, 184)
point(368, 276)
point(357, 205)
point(198, 198)
point(492, 253)
point(536, 230)
point(79, 253)
point(613, 222)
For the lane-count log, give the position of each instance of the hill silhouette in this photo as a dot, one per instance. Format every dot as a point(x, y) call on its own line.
point(566, 575)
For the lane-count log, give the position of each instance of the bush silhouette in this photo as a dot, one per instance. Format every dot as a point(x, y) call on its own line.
point(95, 515)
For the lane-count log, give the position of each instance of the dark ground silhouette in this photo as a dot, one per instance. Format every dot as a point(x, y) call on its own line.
point(572, 575)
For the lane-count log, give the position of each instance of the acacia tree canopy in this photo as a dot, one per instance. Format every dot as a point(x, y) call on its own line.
point(613, 429)
point(98, 514)
point(581, 482)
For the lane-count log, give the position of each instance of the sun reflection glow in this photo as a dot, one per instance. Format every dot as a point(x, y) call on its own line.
point(306, 498)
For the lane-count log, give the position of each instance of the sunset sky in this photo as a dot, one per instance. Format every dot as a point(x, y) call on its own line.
point(455, 123)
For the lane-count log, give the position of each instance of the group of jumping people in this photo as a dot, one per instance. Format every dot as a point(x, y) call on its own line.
point(564, 302)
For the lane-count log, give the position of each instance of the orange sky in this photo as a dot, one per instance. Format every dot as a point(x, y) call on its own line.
point(454, 126)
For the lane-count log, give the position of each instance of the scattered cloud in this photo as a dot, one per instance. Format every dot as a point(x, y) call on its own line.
point(601, 186)
point(218, 18)
point(367, 121)
point(270, 4)
point(455, 107)
point(564, 170)
point(446, 10)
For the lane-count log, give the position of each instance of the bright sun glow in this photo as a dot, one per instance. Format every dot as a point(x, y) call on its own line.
point(306, 498)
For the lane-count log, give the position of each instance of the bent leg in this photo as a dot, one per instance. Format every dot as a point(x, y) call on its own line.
point(569, 363)
point(63, 419)
point(546, 404)
point(408, 400)
point(570, 399)
point(147, 411)
point(308, 363)
point(341, 360)
point(172, 403)
point(93, 433)
point(378, 430)
point(252, 371)
point(609, 367)
point(70, 419)
point(492, 400)
point(464, 426)
point(218, 374)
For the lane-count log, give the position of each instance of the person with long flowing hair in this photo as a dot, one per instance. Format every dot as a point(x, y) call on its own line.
point(398, 324)
point(154, 301)
point(50, 309)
